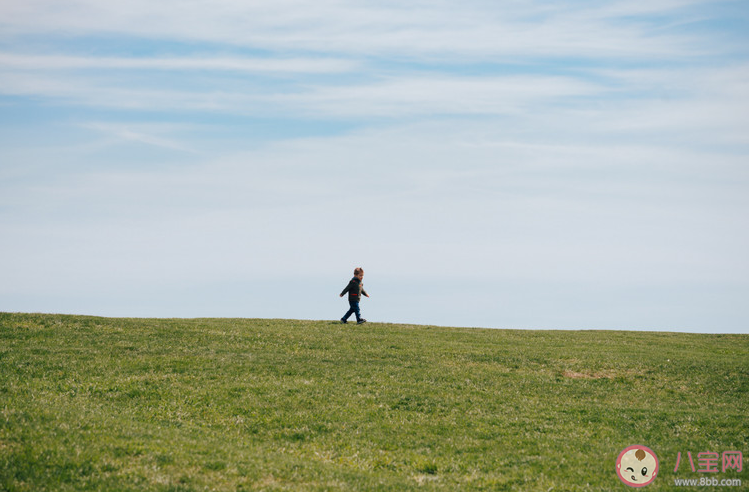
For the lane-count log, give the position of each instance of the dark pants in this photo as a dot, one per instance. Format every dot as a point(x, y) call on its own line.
point(354, 309)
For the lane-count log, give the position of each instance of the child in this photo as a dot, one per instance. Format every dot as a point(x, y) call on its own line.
point(355, 289)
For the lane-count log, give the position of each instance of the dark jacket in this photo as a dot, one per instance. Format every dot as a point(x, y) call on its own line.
point(355, 289)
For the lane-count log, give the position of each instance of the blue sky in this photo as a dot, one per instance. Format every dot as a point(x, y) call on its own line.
point(576, 165)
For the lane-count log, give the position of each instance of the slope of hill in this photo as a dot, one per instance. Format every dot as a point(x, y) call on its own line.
point(240, 404)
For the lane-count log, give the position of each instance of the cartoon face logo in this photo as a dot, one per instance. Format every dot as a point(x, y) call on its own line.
point(637, 466)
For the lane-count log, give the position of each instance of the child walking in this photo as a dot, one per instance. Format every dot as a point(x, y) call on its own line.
point(355, 289)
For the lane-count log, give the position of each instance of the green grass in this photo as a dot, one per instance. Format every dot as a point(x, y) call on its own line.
point(236, 404)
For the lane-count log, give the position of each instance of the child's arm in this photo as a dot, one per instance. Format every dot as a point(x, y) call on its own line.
point(348, 288)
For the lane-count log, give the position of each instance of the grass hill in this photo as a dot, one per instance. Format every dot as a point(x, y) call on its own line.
point(249, 404)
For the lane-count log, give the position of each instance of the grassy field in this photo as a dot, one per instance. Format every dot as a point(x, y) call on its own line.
point(239, 404)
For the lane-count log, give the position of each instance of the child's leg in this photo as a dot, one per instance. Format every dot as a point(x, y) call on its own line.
point(348, 313)
point(353, 309)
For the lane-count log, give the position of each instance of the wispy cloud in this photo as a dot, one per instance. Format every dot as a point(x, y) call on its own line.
point(280, 65)
point(473, 29)
point(138, 134)
point(391, 97)
point(440, 94)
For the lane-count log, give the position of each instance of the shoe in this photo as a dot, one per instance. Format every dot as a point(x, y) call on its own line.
point(361, 321)
point(343, 321)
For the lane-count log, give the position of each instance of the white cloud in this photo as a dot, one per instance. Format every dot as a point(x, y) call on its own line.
point(396, 96)
point(454, 29)
point(62, 62)
point(137, 133)
point(439, 94)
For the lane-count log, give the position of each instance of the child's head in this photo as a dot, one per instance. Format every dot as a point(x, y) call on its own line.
point(358, 272)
